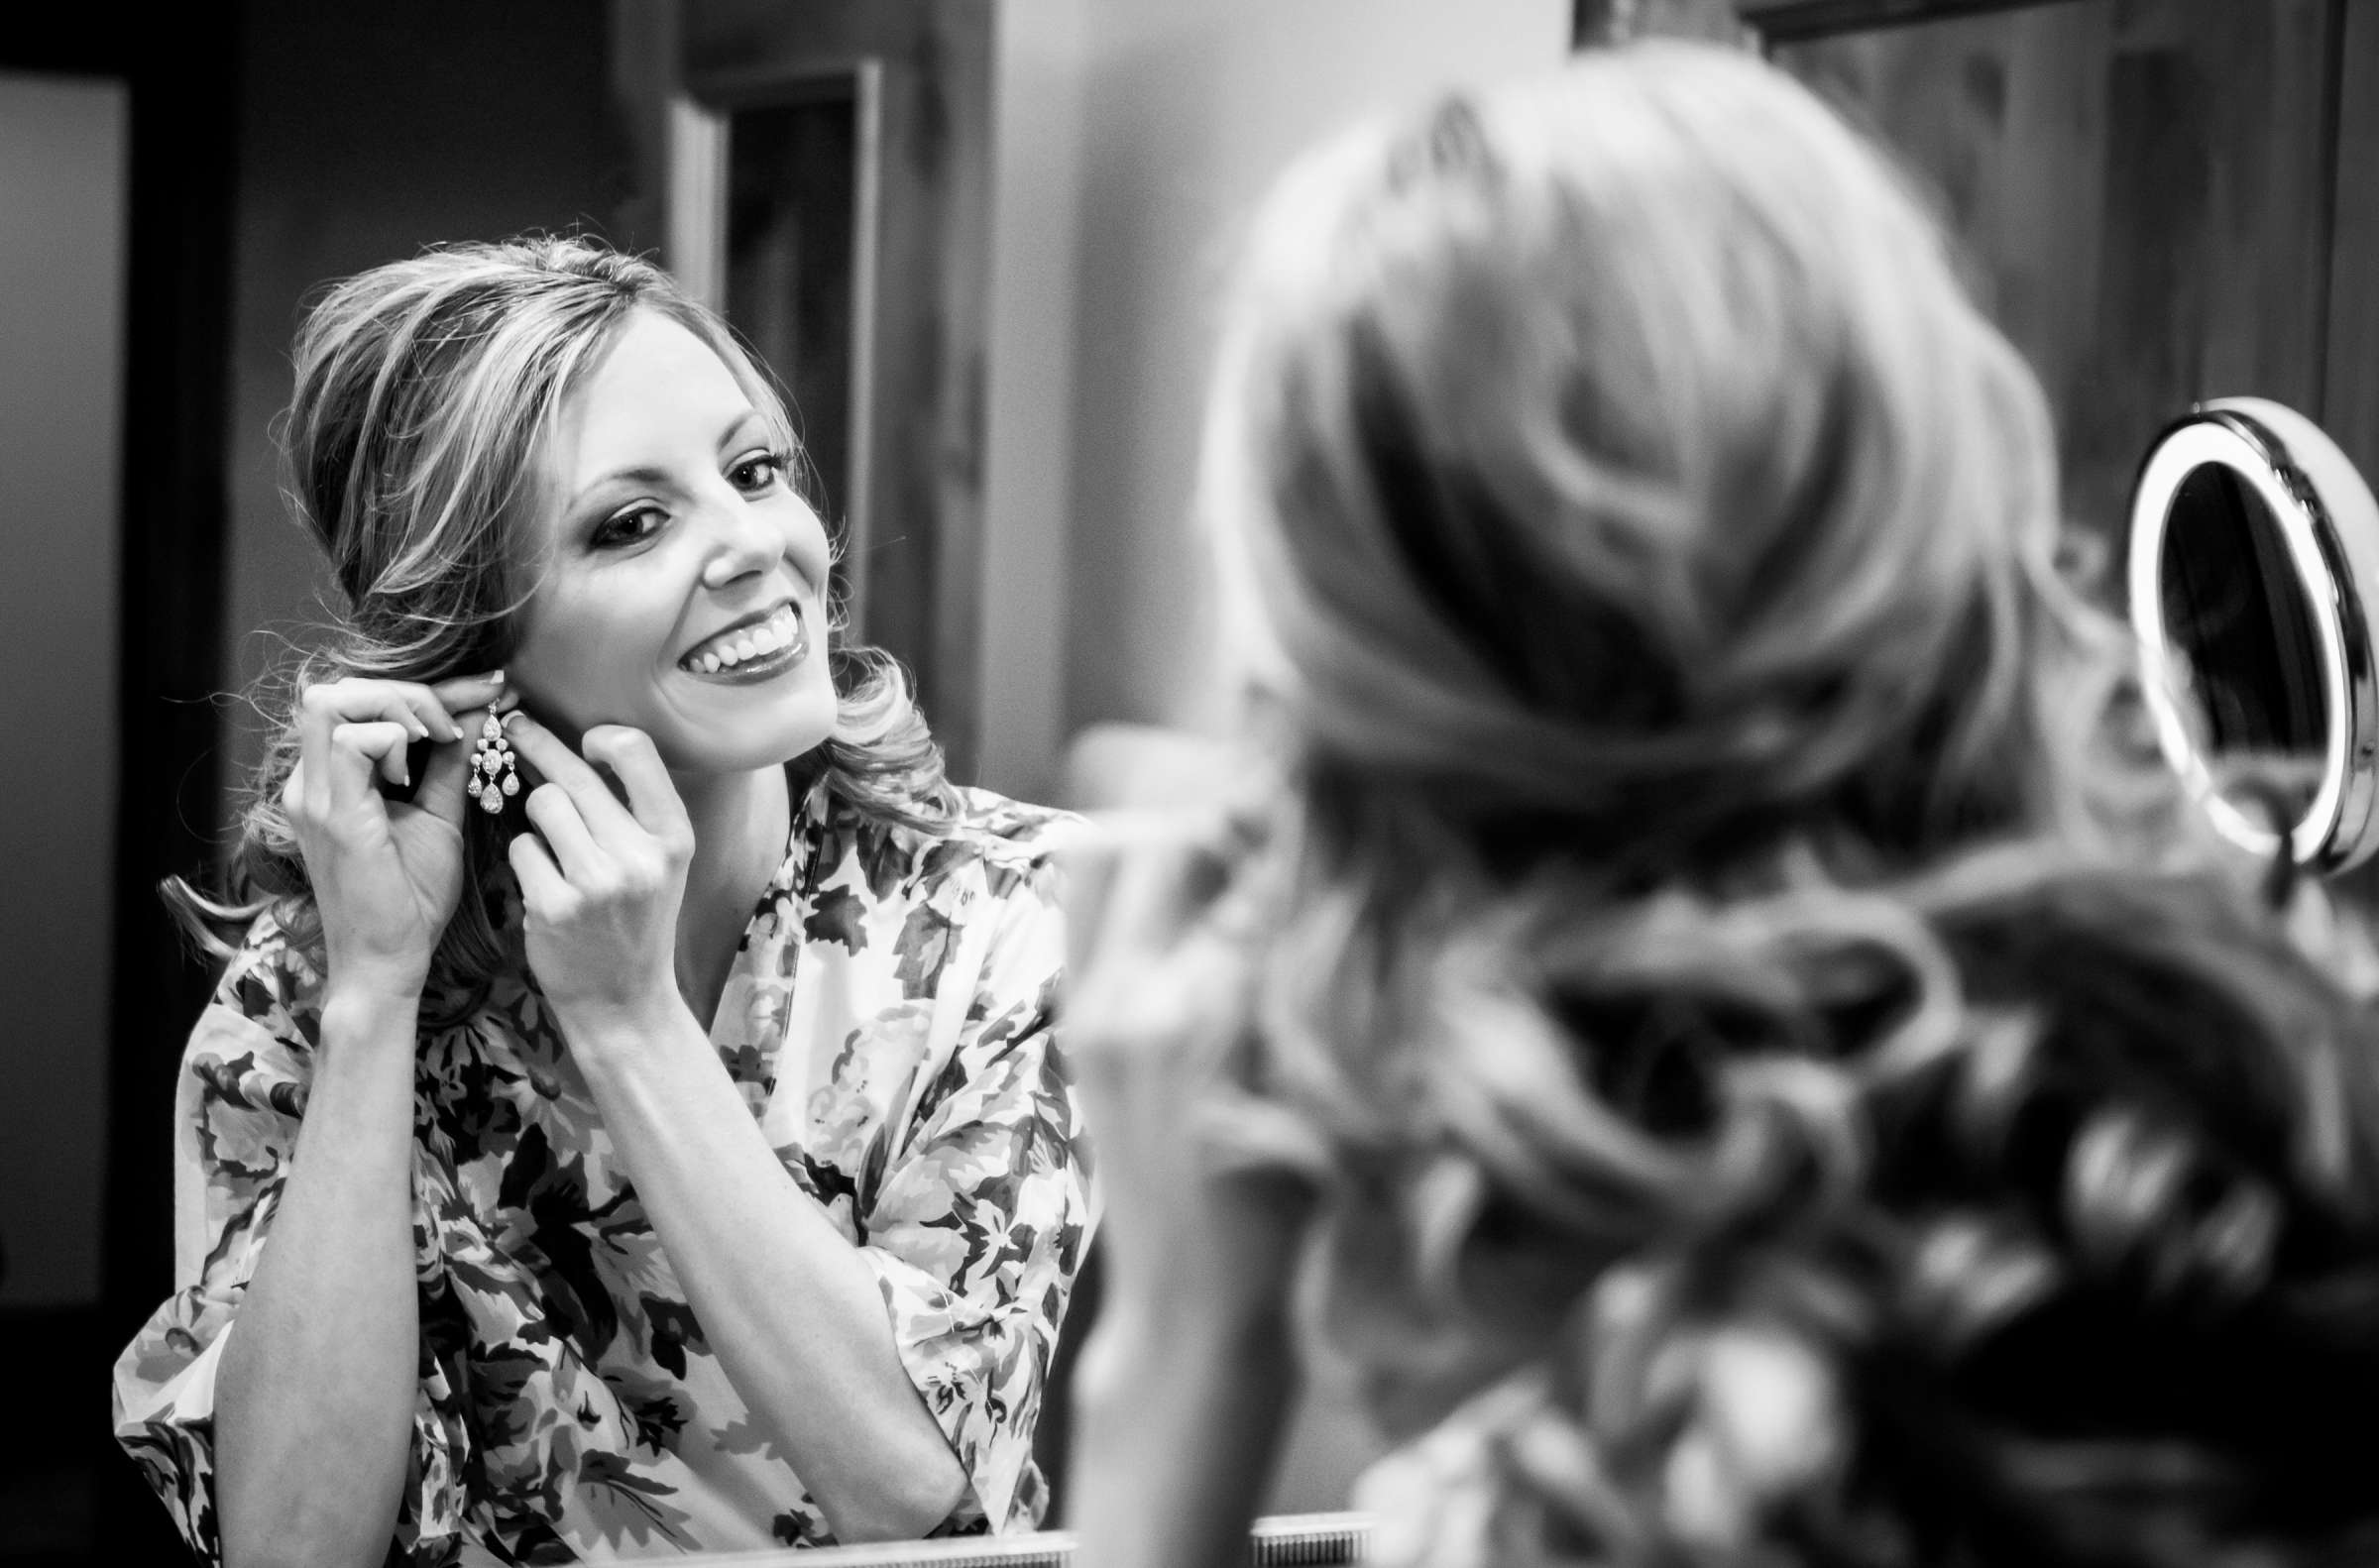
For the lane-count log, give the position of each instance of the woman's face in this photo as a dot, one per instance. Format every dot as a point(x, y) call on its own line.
point(682, 582)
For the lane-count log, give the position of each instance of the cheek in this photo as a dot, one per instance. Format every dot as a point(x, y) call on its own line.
point(806, 542)
point(581, 652)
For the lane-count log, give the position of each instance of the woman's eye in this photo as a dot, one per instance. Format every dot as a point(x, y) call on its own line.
point(758, 471)
point(628, 527)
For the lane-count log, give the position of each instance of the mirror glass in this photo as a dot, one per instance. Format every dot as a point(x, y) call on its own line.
point(2254, 550)
point(2242, 644)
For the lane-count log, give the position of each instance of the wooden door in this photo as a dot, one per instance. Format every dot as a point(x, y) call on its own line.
point(2349, 407)
point(821, 174)
point(2143, 189)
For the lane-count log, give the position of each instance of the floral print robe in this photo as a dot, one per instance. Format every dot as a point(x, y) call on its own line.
point(888, 1019)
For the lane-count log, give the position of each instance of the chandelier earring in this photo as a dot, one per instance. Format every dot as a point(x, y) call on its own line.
point(494, 773)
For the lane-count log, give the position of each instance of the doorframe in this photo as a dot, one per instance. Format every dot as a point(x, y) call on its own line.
point(922, 275)
point(179, 68)
point(1797, 20)
point(1768, 23)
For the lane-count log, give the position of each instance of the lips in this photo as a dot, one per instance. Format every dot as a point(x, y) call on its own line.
point(756, 639)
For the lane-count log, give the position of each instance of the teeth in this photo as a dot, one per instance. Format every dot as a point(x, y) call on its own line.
point(772, 636)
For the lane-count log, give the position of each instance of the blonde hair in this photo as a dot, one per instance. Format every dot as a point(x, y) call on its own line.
point(424, 390)
point(1726, 886)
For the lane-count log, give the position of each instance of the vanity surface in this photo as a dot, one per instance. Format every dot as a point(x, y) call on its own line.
point(1287, 1540)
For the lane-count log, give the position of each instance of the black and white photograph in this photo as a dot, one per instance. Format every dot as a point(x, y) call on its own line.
point(1190, 783)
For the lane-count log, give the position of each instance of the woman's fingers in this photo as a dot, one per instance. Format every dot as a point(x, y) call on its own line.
point(350, 730)
point(554, 810)
point(1134, 885)
point(443, 777)
point(598, 808)
point(458, 697)
point(425, 712)
point(543, 888)
point(651, 794)
point(358, 751)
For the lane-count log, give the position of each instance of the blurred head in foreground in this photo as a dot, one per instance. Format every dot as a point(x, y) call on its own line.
point(1792, 1081)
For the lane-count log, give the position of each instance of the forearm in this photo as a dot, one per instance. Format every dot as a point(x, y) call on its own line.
point(1190, 1373)
point(792, 1310)
point(1178, 1424)
point(314, 1396)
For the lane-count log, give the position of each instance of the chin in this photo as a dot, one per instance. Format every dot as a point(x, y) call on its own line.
point(744, 749)
point(712, 754)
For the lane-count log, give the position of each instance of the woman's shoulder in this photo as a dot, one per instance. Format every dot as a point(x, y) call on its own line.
point(997, 826)
point(263, 1015)
point(271, 973)
point(1012, 846)
point(1006, 845)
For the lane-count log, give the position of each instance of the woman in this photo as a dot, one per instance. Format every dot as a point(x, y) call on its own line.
point(1744, 1049)
point(671, 1154)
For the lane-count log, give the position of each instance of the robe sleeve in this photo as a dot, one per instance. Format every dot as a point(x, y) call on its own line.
point(238, 1108)
point(978, 1223)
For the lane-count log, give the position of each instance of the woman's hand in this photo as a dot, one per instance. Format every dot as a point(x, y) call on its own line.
point(386, 873)
point(1188, 1375)
point(603, 886)
point(1164, 942)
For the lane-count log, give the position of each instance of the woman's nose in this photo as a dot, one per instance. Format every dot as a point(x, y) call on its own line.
point(744, 540)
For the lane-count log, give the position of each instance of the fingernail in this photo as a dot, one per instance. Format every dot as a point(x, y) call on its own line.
point(494, 677)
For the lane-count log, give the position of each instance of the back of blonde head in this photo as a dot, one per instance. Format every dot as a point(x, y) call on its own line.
point(1604, 408)
point(1728, 899)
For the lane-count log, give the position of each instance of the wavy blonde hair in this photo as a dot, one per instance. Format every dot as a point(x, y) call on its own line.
point(1727, 911)
point(424, 389)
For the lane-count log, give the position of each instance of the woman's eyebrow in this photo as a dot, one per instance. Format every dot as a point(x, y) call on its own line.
point(736, 427)
point(647, 474)
point(640, 475)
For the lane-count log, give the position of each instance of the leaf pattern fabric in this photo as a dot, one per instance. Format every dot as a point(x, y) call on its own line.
point(889, 1019)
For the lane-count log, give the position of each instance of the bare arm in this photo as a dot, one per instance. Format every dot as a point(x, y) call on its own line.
point(793, 1312)
point(315, 1388)
point(1193, 1369)
point(314, 1396)
point(1181, 1399)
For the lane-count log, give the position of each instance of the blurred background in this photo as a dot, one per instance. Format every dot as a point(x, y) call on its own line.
point(980, 241)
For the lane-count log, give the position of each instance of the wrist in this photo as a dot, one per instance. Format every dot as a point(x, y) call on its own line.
point(369, 1024)
point(600, 1032)
point(377, 977)
point(365, 989)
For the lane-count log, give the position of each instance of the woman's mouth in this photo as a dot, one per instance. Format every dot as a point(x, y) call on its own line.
point(752, 653)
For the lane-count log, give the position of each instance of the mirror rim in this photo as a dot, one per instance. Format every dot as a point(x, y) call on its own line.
point(2330, 524)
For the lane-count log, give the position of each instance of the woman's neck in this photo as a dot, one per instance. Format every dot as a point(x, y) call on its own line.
point(741, 822)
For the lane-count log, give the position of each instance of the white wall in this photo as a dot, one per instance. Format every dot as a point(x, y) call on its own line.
point(1134, 136)
point(62, 190)
point(1036, 221)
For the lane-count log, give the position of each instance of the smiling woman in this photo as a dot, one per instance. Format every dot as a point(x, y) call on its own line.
point(699, 635)
point(673, 1155)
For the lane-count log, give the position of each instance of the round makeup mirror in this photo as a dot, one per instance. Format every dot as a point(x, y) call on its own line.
point(2253, 561)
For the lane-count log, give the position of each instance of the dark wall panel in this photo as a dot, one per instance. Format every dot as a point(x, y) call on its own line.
point(2142, 188)
point(366, 133)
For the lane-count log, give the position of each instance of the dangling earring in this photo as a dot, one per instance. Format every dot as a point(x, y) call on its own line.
point(492, 772)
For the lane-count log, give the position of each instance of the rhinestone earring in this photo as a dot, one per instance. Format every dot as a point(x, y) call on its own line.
point(493, 775)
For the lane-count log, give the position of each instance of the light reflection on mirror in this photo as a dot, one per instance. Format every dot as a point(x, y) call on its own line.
point(2242, 632)
point(2254, 553)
